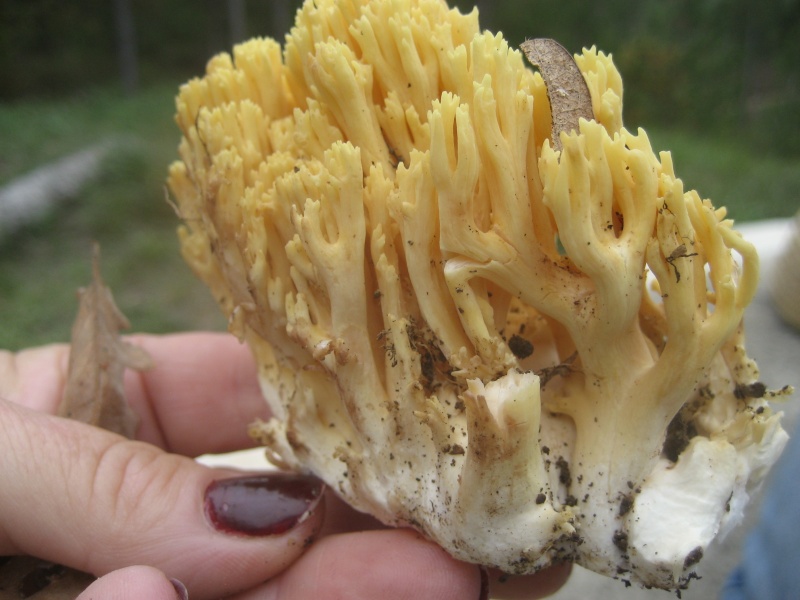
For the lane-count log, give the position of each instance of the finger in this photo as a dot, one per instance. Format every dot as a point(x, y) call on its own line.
point(201, 394)
point(135, 583)
point(340, 517)
point(91, 500)
point(526, 587)
point(35, 377)
point(389, 564)
point(199, 397)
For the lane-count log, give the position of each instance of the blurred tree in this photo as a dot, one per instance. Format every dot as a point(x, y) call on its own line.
point(706, 64)
point(486, 12)
point(126, 46)
point(281, 12)
point(237, 20)
point(48, 46)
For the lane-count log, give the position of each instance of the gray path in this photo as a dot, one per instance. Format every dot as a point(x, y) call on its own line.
point(32, 196)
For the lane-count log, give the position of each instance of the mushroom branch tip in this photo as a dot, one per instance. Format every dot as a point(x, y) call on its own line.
point(480, 306)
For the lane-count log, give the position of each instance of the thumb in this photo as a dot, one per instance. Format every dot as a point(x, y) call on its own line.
point(94, 501)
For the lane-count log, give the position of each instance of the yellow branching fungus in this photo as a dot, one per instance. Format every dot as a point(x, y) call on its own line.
point(528, 354)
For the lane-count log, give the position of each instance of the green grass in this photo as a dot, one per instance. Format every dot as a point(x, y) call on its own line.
point(124, 210)
point(751, 184)
point(37, 131)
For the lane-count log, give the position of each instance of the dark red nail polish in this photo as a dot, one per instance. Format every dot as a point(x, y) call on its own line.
point(180, 589)
point(268, 504)
point(484, 594)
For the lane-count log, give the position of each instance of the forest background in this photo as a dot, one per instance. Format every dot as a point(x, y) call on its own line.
point(711, 65)
point(715, 81)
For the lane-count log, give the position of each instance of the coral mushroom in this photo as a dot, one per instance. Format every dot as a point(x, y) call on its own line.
point(524, 341)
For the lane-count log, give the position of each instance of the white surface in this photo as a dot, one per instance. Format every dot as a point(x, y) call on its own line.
point(251, 460)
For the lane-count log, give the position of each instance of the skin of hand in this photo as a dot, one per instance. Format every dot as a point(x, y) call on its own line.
point(134, 513)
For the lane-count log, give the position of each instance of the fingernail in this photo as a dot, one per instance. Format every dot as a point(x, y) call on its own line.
point(180, 589)
point(484, 595)
point(260, 505)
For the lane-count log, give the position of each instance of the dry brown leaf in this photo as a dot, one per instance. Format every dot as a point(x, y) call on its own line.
point(94, 392)
point(567, 91)
point(35, 579)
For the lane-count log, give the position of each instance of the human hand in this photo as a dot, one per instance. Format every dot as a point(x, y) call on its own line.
point(137, 513)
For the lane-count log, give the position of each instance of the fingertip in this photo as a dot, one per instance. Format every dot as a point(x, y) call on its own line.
point(388, 564)
point(258, 536)
point(135, 583)
point(147, 507)
point(199, 380)
point(544, 583)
